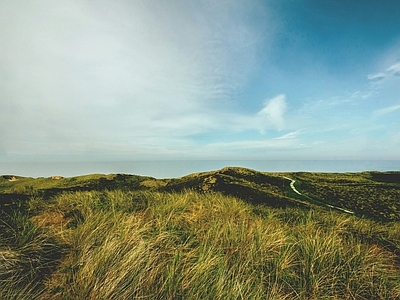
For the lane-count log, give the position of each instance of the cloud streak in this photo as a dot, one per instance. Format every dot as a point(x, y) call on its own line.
point(394, 69)
point(387, 110)
point(387, 74)
point(76, 72)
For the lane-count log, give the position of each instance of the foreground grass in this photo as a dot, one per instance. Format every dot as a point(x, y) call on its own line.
point(151, 245)
point(28, 253)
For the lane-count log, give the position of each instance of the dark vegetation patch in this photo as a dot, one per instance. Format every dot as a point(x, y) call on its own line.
point(248, 185)
point(354, 191)
point(371, 194)
point(393, 177)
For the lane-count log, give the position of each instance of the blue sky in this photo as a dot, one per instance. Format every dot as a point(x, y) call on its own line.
point(155, 80)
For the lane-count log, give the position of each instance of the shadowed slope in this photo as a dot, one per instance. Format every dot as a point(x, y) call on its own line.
point(246, 184)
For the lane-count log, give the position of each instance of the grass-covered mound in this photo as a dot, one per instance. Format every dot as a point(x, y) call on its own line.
point(374, 195)
point(191, 245)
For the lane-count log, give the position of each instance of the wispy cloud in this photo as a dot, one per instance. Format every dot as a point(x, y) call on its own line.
point(376, 77)
point(249, 148)
point(274, 110)
point(387, 110)
point(76, 73)
point(290, 135)
point(394, 69)
point(179, 77)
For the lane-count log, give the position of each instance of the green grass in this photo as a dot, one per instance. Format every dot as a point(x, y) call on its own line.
point(190, 245)
point(28, 254)
point(370, 194)
point(367, 193)
point(48, 187)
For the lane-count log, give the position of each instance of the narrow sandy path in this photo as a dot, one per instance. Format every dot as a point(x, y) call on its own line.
point(292, 181)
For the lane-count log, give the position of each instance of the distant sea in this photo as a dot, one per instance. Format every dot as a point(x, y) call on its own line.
point(178, 168)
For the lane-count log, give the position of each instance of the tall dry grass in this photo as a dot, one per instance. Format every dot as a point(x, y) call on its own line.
point(28, 254)
point(150, 245)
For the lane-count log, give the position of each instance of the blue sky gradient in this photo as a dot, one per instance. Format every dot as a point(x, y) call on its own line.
point(159, 80)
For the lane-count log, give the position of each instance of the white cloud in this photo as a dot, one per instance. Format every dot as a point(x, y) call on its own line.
point(376, 77)
point(381, 77)
point(394, 69)
point(362, 94)
point(387, 110)
point(75, 73)
point(290, 135)
point(274, 110)
point(247, 148)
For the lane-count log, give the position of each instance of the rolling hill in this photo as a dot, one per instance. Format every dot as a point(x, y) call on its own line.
point(372, 194)
point(233, 233)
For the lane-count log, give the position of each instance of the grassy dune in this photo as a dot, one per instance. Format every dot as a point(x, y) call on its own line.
point(373, 195)
point(191, 245)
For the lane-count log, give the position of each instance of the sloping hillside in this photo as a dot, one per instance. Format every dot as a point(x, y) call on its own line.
point(268, 188)
point(233, 233)
point(372, 194)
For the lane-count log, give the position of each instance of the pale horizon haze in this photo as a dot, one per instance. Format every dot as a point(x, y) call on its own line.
point(84, 80)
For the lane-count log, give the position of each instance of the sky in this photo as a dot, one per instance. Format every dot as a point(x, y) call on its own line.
point(84, 80)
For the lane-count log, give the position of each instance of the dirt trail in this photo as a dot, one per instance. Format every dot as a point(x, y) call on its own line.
point(292, 185)
point(292, 181)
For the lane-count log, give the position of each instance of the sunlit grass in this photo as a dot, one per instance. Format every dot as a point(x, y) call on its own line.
point(28, 255)
point(152, 245)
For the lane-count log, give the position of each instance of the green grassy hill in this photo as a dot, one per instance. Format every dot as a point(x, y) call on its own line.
point(233, 233)
point(371, 194)
point(249, 185)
